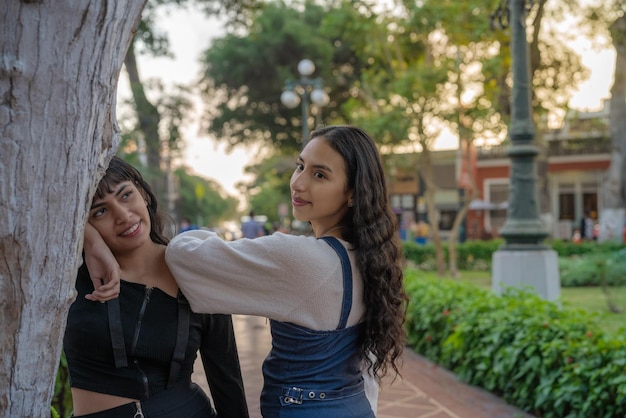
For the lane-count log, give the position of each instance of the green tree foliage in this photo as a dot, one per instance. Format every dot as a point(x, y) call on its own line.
point(62, 399)
point(244, 75)
point(203, 201)
point(363, 54)
point(270, 187)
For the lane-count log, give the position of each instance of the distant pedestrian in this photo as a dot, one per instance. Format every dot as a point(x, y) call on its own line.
point(586, 227)
point(186, 225)
point(252, 228)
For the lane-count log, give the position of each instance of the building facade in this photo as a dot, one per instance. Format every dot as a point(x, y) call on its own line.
point(571, 167)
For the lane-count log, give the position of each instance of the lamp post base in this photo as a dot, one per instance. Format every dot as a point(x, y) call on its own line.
point(538, 270)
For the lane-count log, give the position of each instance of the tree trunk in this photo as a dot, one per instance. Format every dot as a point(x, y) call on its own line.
point(467, 183)
point(433, 215)
point(58, 80)
point(148, 118)
point(454, 237)
point(614, 190)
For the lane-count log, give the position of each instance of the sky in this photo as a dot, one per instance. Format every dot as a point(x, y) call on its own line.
point(190, 33)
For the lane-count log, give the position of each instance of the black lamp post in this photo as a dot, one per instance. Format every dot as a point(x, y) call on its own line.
point(523, 260)
point(310, 89)
point(523, 230)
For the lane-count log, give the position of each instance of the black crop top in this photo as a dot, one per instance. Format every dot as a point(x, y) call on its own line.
point(150, 320)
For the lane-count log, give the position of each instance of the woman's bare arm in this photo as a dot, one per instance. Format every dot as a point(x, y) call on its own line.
point(102, 265)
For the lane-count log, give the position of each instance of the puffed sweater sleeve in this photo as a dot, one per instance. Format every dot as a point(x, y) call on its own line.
point(284, 277)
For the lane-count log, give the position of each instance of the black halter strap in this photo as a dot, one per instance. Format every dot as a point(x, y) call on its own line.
point(182, 336)
point(117, 333)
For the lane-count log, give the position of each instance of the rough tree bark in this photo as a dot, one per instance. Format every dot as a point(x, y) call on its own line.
point(59, 65)
point(612, 213)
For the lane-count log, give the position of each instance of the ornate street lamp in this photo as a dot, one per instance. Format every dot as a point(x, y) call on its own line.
point(523, 260)
point(310, 89)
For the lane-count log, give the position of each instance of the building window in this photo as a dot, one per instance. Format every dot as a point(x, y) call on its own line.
point(497, 194)
point(567, 208)
point(590, 199)
point(395, 201)
point(403, 201)
point(446, 219)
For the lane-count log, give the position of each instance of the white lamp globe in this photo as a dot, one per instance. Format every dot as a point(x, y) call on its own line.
point(290, 99)
point(306, 67)
point(319, 97)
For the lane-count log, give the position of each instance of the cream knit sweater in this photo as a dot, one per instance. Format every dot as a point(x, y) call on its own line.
point(288, 278)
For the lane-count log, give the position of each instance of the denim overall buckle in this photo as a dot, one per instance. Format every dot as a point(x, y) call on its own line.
point(293, 395)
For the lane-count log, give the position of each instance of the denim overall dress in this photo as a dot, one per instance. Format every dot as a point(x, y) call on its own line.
point(316, 374)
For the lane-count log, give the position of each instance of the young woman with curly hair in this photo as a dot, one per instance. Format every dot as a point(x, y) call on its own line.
point(335, 300)
point(319, 351)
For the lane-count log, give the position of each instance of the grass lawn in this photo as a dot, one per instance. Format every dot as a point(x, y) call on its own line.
point(590, 299)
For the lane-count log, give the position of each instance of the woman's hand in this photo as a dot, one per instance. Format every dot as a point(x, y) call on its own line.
point(102, 265)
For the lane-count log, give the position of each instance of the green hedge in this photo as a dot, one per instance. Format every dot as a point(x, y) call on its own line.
point(546, 360)
point(471, 255)
point(568, 248)
point(595, 269)
point(474, 255)
point(582, 264)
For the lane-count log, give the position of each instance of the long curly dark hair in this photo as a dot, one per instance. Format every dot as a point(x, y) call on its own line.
point(119, 171)
point(372, 228)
